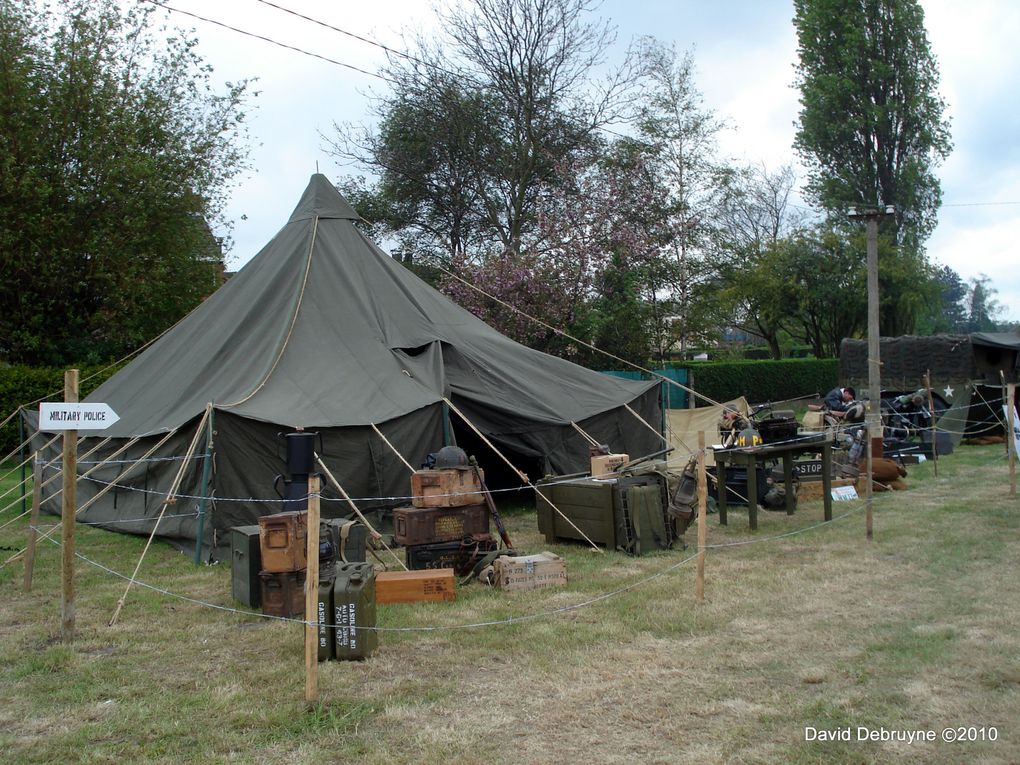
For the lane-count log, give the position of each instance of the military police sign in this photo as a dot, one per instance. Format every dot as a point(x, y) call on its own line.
point(55, 417)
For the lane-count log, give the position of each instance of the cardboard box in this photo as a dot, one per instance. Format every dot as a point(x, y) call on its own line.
point(529, 572)
point(607, 463)
point(415, 586)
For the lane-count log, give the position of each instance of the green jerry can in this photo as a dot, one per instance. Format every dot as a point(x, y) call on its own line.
point(324, 613)
point(354, 611)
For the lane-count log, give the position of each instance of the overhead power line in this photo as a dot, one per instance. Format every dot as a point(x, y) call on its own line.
point(268, 40)
point(360, 38)
point(979, 204)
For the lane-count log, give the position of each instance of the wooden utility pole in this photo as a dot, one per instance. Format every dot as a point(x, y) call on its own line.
point(1011, 436)
point(68, 509)
point(873, 419)
point(312, 592)
point(699, 586)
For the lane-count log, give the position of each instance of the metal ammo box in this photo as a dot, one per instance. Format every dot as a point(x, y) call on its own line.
point(425, 525)
point(284, 541)
point(245, 564)
point(283, 593)
point(626, 513)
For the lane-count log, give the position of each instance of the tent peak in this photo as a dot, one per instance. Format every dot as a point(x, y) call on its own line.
point(322, 200)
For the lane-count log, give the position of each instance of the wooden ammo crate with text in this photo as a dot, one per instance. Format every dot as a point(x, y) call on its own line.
point(445, 488)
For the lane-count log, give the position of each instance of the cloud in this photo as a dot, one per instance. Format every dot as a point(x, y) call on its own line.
point(744, 50)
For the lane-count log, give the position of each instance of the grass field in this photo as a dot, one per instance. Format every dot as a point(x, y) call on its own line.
point(917, 630)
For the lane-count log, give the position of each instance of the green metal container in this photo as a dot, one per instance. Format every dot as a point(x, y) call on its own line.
point(245, 565)
point(324, 614)
point(354, 611)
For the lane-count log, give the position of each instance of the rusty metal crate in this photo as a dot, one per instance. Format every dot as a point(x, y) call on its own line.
point(283, 593)
point(283, 540)
point(426, 525)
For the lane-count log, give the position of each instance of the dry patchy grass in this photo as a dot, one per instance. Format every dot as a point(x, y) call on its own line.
point(917, 629)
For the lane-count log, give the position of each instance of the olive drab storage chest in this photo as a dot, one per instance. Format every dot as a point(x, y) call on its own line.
point(245, 565)
point(354, 611)
point(628, 513)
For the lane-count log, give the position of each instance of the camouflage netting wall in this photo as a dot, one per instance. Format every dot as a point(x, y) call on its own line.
point(948, 358)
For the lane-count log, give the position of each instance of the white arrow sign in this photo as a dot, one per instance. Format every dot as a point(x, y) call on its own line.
point(62, 416)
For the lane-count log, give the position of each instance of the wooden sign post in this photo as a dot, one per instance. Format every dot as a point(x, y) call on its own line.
point(699, 586)
point(312, 592)
point(68, 508)
point(68, 418)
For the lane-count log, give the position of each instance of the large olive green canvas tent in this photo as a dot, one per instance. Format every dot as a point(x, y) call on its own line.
point(324, 331)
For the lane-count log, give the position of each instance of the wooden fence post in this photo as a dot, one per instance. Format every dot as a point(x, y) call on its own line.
point(33, 521)
point(312, 592)
point(699, 587)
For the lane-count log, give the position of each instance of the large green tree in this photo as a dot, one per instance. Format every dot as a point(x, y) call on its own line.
point(115, 160)
point(872, 131)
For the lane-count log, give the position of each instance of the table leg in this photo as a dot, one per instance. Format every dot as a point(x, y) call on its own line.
point(827, 480)
point(752, 492)
point(791, 501)
point(720, 474)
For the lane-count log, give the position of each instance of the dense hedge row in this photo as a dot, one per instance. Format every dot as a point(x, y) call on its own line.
point(27, 385)
point(762, 381)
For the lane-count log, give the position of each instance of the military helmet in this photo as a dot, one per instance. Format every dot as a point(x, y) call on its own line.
point(452, 457)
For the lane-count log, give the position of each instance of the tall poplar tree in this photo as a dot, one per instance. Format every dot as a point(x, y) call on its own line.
point(872, 127)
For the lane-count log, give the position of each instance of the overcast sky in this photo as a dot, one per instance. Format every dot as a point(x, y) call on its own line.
point(745, 51)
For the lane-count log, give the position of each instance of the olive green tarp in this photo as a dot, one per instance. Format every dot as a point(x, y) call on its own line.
point(324, 331)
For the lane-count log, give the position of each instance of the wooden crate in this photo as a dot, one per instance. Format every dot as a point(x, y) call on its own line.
point(425, 525)
point(529, 572)
point(445, 488)
point(415, 586)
